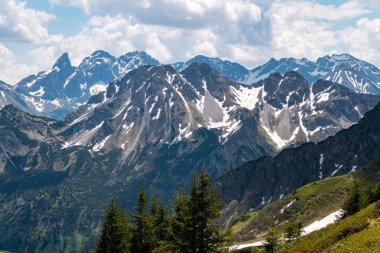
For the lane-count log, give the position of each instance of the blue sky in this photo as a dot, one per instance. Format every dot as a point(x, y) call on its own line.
point(34, 33)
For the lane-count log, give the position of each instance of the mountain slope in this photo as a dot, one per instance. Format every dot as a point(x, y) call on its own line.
point(344, 69)
point(304, 204)
point(358, 233)
point(64, 87)
point(293, 111)
point(260, 182)
point(9, 96)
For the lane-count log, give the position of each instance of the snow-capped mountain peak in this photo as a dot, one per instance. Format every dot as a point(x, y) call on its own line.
point(344, 69)
point(63, 88)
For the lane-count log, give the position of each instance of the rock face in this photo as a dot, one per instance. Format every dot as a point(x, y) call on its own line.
point(344, 69)
point(262, 181)
point(152, 128)
point(60, 90)
point(294, 111)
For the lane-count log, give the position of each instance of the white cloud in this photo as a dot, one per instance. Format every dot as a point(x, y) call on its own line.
point(116, 34)
point(249, 32)
point(19, 23)
point(363, 39)
point(301, 28)
point(12, 71)
point(177, 13)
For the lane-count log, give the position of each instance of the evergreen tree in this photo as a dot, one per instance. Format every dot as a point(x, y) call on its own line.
point(161, 224)
point(352, 204)
point(272, 240)
point(376, 192)
point(293, 230)
point(115, 234)
point(193, 230)
point(182, 235)
point(368, 197)
point(143, 236)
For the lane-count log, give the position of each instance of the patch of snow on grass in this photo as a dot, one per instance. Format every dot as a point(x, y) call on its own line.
point(319, 224)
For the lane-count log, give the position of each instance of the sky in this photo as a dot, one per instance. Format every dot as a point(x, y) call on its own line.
point(34, 33)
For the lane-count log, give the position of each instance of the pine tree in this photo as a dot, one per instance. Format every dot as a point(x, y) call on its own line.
point(115, 234)
point(272, 240)
point(182, 235)
point(192, 222)
point(161, 224)
point(143, 236)
point(293, 230)
point(352, 204)
point(376, 192)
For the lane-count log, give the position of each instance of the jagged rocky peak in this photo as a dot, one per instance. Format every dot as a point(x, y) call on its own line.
point(63, 62)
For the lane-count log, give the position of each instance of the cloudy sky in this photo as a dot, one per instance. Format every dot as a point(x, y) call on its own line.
point(34, 33)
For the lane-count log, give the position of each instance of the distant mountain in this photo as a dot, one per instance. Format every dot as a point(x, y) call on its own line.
point(63, 88)
point(231, 70)
point(60, 90)
point(152, 128)
point(8, 95)
point(293, 111)
point(259, 182)
point(344, 69)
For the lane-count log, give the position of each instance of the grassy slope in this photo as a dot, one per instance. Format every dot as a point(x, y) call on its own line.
point(310, 203)
point(359, 233)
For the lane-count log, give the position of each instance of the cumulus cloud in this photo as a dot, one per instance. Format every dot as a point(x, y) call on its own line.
point(306, 28)
point(177, 13)
point(11, 70)
point(21, 24)
point(363, 39)
point(247, 31)
point(115, 34)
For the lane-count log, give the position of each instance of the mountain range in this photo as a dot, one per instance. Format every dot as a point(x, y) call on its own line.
point(344, 69)
point(152, 128)
point(62, 89)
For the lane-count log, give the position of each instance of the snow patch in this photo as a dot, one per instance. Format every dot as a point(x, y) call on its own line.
point(38, 93)
point(319, 224)
point(97, 88)
point(98, 146)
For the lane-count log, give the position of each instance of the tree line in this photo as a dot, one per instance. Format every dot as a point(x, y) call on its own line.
point(189, 228)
